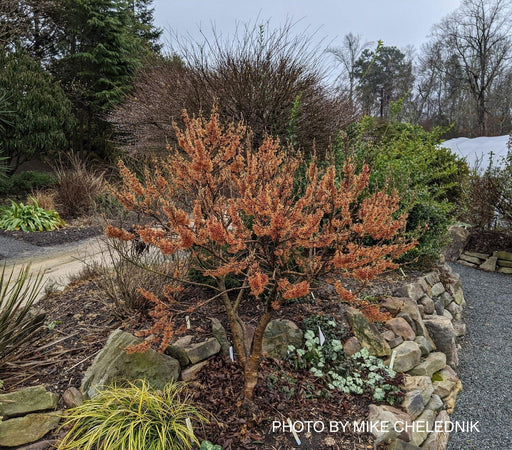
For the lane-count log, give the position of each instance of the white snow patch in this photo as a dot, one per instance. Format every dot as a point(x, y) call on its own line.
point(479, 149)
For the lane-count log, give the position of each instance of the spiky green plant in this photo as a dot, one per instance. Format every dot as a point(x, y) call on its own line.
point(134, 417)
point(18, 323)
point(28, 217)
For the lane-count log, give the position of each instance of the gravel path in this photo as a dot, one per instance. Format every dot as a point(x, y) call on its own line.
point(485, 362)
point(12, 248)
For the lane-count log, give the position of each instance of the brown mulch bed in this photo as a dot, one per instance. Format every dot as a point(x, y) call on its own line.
point(488, 242)
point(81, 321)
point(56, 237)
point(281, 394)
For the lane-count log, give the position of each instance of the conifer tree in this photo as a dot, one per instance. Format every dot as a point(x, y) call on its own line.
point(100, 52)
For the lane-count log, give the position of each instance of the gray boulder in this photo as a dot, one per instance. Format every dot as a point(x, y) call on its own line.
point(219, 333)
point(26, 401)
point(458, 238)
point(443, 335)
point(435, 403)
point(438, 440)
point(426, 346)
point(412, 290)
point(413, 403)
point(432, 278)
point(367, 333)
point(386, 413)
point(490, 264)
point(27, 429)
point(432, 363)
point(351, 346)
point(426, 419)
point(278, 335)
point(423, 384)
point(428, 304)
point(437, 290)
point(407, 356)
point(401, 328)
point(113, 363)
point(202, 350)
point(507, 256)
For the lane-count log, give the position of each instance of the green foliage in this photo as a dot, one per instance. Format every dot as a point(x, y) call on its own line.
point(41, 113)
point(19, 325)
point(360, 373)
point(207, 445)
point(133, 417)
point(28, 218)
point(26, 181)
point(143, 23)
point(97, 59)
point(427, 176)
point(384, 75)
point(101, 52)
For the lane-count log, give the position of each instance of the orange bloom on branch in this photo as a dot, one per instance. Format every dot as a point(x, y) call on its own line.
point(236, 213)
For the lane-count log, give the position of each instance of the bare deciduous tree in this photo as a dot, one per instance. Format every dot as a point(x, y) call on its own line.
point(347, 55)
point(271, 79)
point(479, 34)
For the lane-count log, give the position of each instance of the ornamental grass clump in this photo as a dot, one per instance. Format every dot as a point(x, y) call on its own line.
point(260, 242)
point(134, 417)
point(19, 323)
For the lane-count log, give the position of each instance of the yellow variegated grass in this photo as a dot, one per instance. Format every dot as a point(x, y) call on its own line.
point(134, 417)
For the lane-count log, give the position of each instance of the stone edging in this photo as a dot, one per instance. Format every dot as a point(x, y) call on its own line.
point(422, 335)
point(497, 262)
point(427, 319)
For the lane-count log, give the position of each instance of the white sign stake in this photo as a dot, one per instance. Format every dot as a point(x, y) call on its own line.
point(187, 320)
point(189, 426)
point(231, 355)
point(392, 362)
point(321, 336)
point(295, 435)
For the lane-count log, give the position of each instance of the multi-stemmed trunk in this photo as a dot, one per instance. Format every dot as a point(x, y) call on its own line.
point(248, 351)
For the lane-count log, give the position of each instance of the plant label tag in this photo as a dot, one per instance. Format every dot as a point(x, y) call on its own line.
point(187, 320)
point(392, 362)
point(295, 435)
point(231, 353)
point(321, 336)
point(189, 425)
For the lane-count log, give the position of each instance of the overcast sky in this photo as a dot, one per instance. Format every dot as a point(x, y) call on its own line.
point(397, 22)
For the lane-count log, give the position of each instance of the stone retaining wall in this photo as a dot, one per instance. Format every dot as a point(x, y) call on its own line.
point(422, 343)
point(420, 340)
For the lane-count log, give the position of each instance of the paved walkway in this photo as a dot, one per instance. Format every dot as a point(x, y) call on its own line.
point(59, 263)
point(485, 362)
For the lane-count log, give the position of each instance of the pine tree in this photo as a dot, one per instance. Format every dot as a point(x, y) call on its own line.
point(143, 24)
point(100, 53)
point(384, 75)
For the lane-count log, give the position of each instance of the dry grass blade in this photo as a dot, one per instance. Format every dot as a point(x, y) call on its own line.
point(78, 187)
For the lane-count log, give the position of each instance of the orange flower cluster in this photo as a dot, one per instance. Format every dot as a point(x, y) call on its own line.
point(237, 213)
point(370, 310)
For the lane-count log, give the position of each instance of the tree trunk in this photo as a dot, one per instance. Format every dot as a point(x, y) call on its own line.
point(481, 114)
point(239, 333)
point(253, 362)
